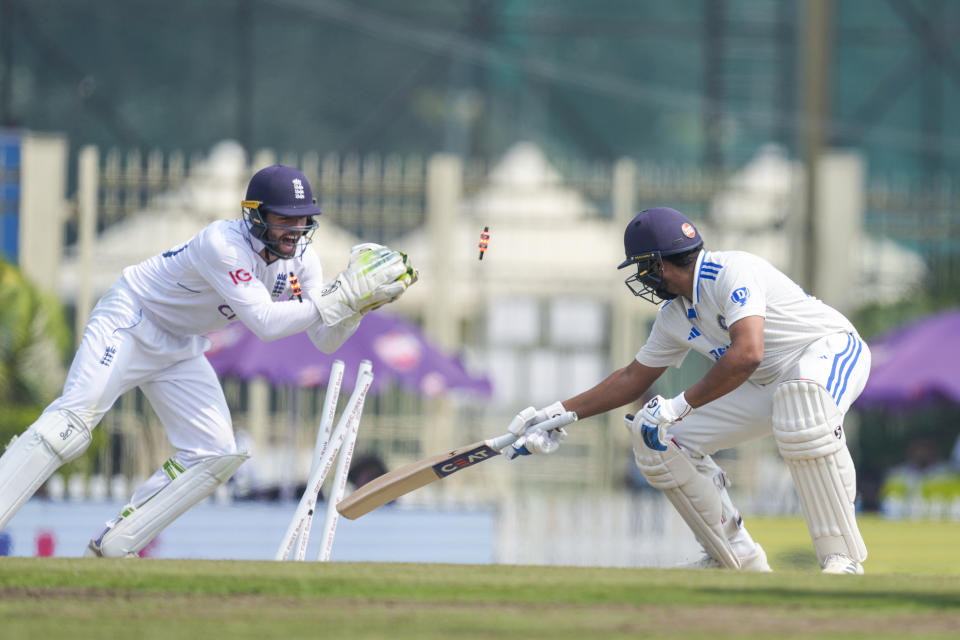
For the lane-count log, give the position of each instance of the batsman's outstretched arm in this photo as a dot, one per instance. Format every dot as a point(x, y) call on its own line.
point(619, 388)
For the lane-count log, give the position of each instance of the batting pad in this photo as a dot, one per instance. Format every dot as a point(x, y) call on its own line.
point(694, 495)
point(57, 437)
point(808, 428)
point(132, 533)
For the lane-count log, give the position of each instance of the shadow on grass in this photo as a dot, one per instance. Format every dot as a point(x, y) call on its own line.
point(828, 598)
point(798, 558)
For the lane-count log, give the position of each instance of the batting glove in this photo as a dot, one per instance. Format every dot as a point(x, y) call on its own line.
point(651, 423)
point(530, 417)
point(536, 441)
point(663, 412)
point(646, 433)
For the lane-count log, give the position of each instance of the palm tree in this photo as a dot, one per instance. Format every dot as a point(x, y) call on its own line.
point(34, 339)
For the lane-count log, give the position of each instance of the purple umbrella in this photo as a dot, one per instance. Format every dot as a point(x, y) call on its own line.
point(397, 348)
point(916, 364)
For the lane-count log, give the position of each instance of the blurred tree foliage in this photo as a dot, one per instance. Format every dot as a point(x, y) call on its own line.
point(941, 291)
point(34, 341)
point(875, 319)
point(678, 82)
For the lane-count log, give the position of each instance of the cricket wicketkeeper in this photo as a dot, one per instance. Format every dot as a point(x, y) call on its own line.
point(783, 362)
point(147, 332)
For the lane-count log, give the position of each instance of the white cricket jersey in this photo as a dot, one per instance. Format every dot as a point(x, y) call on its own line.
point(728, 286)
point(218, 277)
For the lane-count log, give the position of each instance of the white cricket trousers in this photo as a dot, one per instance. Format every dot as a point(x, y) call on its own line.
point(123, 348)
point(839, 362)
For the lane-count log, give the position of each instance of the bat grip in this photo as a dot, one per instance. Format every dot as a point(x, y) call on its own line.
point(502, 442)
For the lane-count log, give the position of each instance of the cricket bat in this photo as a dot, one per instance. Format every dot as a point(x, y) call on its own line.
point(411, 477)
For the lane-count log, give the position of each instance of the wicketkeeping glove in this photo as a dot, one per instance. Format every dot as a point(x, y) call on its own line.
point(375, 276)
point(390, 291)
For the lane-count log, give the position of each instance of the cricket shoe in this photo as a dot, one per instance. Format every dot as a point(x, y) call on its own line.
point(93, 551)
point(94, 548)
point(755, 561)
point(840, 564)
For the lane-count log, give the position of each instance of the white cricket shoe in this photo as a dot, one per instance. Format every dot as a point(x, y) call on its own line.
point(92, 550)
point(840, 564)
point(756, 561)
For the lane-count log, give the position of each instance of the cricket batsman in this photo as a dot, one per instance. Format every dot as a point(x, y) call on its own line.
point(148, 330)
point(783, 362)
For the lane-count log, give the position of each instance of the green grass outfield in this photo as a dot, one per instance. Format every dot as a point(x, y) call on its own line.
point(909, 547)
point(912, 590)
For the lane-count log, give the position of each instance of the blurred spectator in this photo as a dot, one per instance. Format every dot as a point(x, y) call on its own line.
point(365, 468)
point(46, 544)
point(923, 458)
point(925, 479)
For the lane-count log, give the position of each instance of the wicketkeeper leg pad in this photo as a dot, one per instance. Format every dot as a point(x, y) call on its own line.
point(808, 429)
point(700, 499)
point(138, 525)
point(57, 437)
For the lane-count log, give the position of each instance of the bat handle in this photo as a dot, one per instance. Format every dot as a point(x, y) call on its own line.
point(502, 442)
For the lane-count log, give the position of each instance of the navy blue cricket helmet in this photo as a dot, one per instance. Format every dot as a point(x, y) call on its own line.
point(284, 191)
point(651, 235)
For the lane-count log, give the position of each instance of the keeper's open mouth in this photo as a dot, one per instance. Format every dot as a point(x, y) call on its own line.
point(287, 242)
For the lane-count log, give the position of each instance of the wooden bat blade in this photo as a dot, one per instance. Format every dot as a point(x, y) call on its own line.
point(398, 482)
point(403, 480)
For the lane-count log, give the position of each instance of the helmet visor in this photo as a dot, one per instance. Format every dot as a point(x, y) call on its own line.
point(647, 282)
